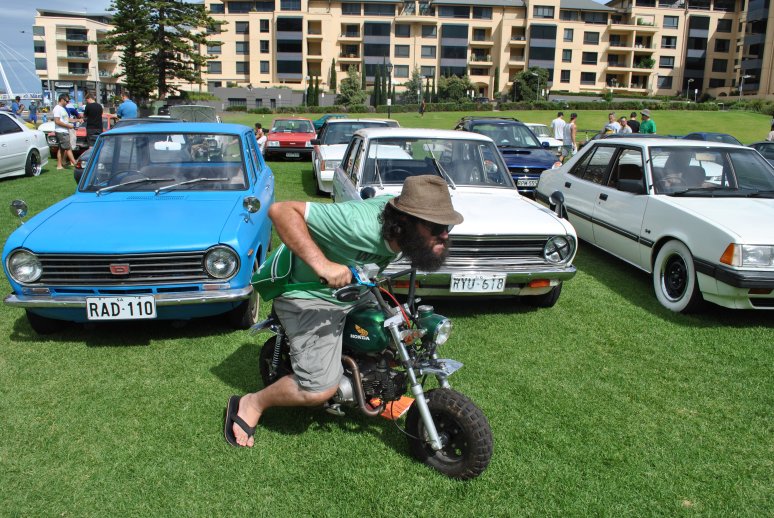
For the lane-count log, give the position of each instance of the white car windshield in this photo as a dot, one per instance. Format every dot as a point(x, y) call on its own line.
point(341, 132)
point(166, 161)
point(391, 160)
point(540, 131)
point(699, 171)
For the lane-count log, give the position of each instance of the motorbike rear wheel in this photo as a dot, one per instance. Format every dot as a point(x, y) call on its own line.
point(464, 431)
point(267, 353)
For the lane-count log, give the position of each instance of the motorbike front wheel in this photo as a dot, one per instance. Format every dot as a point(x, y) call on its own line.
point(464, 432)
point(265, 359)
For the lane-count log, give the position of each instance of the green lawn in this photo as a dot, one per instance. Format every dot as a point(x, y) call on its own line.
point(605, 405)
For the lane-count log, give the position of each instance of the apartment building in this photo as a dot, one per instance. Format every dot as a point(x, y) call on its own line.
point(66, 61)
point(663, 47)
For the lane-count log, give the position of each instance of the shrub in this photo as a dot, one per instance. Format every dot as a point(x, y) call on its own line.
point(236, 109)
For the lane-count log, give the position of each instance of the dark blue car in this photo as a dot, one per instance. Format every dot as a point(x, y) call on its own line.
point(525, 156)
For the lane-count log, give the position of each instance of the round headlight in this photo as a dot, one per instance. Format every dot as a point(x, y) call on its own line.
point(559, 249)
point(442, 332)
point(221, 262)
point(24, 267)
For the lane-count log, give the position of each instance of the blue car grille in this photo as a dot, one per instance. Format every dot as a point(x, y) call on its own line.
point(526, 170)
point(95, 269)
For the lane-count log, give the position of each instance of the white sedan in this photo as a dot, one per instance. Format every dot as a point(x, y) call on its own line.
point(23, 151)
point(695, 215)
point(331, 143)
point(508, 244)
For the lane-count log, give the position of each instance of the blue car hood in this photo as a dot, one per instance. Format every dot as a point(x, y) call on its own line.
point(528, 157)
point(127, 225)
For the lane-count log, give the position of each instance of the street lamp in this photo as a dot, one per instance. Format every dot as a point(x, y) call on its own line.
point(388, 67)
point(304, 97)
point(419, 90)
point(537, 91)
point(741, 84)
point(687, 86)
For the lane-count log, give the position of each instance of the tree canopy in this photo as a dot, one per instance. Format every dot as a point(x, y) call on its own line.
point(351, 91)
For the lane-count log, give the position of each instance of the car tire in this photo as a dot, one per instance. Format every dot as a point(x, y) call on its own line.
point(44, 325)
point(246, 313)
point(33, 167)
point(547, 300)
point(674, 278)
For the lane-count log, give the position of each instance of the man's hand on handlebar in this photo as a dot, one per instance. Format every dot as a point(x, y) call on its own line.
point(336, 275)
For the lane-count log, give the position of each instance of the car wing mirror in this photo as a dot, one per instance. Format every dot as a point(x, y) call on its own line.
point(557, 204)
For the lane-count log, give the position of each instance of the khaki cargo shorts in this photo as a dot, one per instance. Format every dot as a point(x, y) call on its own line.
point(314, 328)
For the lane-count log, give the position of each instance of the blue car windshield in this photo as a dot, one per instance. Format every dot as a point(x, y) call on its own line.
point(150, 161)
point(508, 134)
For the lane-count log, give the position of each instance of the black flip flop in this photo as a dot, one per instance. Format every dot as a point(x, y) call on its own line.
point(231, 418)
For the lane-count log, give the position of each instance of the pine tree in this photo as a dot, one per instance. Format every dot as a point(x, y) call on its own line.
point(377, 96)
point(350, 90)
point(332, 82)
point(316, 91)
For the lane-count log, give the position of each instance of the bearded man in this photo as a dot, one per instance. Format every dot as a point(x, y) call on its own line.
point(327, 238)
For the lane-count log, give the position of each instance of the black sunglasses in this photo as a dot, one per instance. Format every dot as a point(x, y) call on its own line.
point(436, 229)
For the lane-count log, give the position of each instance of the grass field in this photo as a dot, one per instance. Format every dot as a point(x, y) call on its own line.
point(605, 405)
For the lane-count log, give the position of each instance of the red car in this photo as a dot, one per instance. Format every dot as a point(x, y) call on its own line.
point(81, 143)
point(290, 137)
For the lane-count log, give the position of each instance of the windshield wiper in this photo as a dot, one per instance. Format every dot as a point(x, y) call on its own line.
point(761, 194)
point(132, 182)
point(188, 182)
point(442, 171)
point(378, 173)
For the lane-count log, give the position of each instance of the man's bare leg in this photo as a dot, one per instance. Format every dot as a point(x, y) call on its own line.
point(285, 392)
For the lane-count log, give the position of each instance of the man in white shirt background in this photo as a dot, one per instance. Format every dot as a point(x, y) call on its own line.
point(62, 127)
point(557, 126)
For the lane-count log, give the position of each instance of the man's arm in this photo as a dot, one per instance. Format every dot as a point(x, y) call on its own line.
point(574, 132)
point(58, 122)
point(288, 219)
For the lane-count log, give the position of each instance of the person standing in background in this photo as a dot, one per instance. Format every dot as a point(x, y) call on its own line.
point(17, 108)
point(34, 113)
point(127, 109)
point(647, 125)
point(770, 138)
point(633, 123)
point(92, 114)
point(569, 143)
point(62, 126)
point(260, 136)
point(624, 126)
point(422, 108)
point(557, 125)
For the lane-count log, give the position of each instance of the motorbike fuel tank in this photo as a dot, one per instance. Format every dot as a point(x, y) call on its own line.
point(364, 330)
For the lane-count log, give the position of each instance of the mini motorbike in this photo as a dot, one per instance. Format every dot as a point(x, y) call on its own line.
point(387, 350)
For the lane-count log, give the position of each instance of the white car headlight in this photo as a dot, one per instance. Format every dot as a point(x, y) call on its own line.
point(442, 332)
point(273, 143)
point(308, 144)
point(221, 262)
point(330, 164)
point(559, 249)
point(24, 267)
point(748, 256)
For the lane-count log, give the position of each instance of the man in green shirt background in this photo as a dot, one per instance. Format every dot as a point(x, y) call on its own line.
point(327, 238)
point(647, 125)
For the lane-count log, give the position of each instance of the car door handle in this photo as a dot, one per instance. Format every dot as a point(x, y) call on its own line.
point(568, 184)
point(603, 197)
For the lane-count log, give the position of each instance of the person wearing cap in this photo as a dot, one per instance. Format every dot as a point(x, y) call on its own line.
point(647, 125)
point(326, 238)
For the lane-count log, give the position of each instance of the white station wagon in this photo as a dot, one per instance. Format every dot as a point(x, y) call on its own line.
point(508, 245)
point(697, 216)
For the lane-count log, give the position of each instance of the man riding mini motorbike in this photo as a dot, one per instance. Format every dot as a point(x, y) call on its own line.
point(326, 241)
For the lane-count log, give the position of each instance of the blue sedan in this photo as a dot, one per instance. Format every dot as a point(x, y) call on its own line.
point(169, 221)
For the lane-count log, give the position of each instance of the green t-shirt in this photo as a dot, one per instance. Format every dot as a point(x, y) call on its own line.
point(648, 126)
point(348, 233)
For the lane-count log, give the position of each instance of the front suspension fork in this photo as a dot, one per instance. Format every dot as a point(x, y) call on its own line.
point(417, 391)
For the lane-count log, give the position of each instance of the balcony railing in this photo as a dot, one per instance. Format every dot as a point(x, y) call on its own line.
point(478, 59)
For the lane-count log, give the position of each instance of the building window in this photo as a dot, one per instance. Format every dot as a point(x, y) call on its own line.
point(589, 58)
point(213, 49)
point(264, 7)
point(38, 30)
point(217, 8)
point(565, 76)
point(214, 84)
point(588, 78)
point(427, 71)
point(668, 42)
point(671, 22)
point(591, 38)
point(722, 45)
point(264, 67)
point(40, 64)
point(542, 11)
point(379, 10)
point(724, 25)
point(568, 16)
point(454, 11)
point(567, 56)
point(401, 71)
point(719, 65)
point(402, 51)
point(429, 31)
point(290, 5)
point(717, 82)
point(242, 27)
point(664, 82)
point(264, 46)
point(214, 67)
point(482, 13)
point(264, 26)
point(568, 33)
point(666, 62)
point(39, 46)
point(242, 47)
point(428, 51)
point(242, 67)
point(350, 9)
point(402, 30)
point(239, 7)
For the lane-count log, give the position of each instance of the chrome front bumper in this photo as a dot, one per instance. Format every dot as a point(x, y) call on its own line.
point(162, 299)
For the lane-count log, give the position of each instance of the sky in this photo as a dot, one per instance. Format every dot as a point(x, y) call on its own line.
point(16, 20)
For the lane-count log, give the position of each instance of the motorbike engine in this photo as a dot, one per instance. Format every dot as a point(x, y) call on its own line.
point(379, 381)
